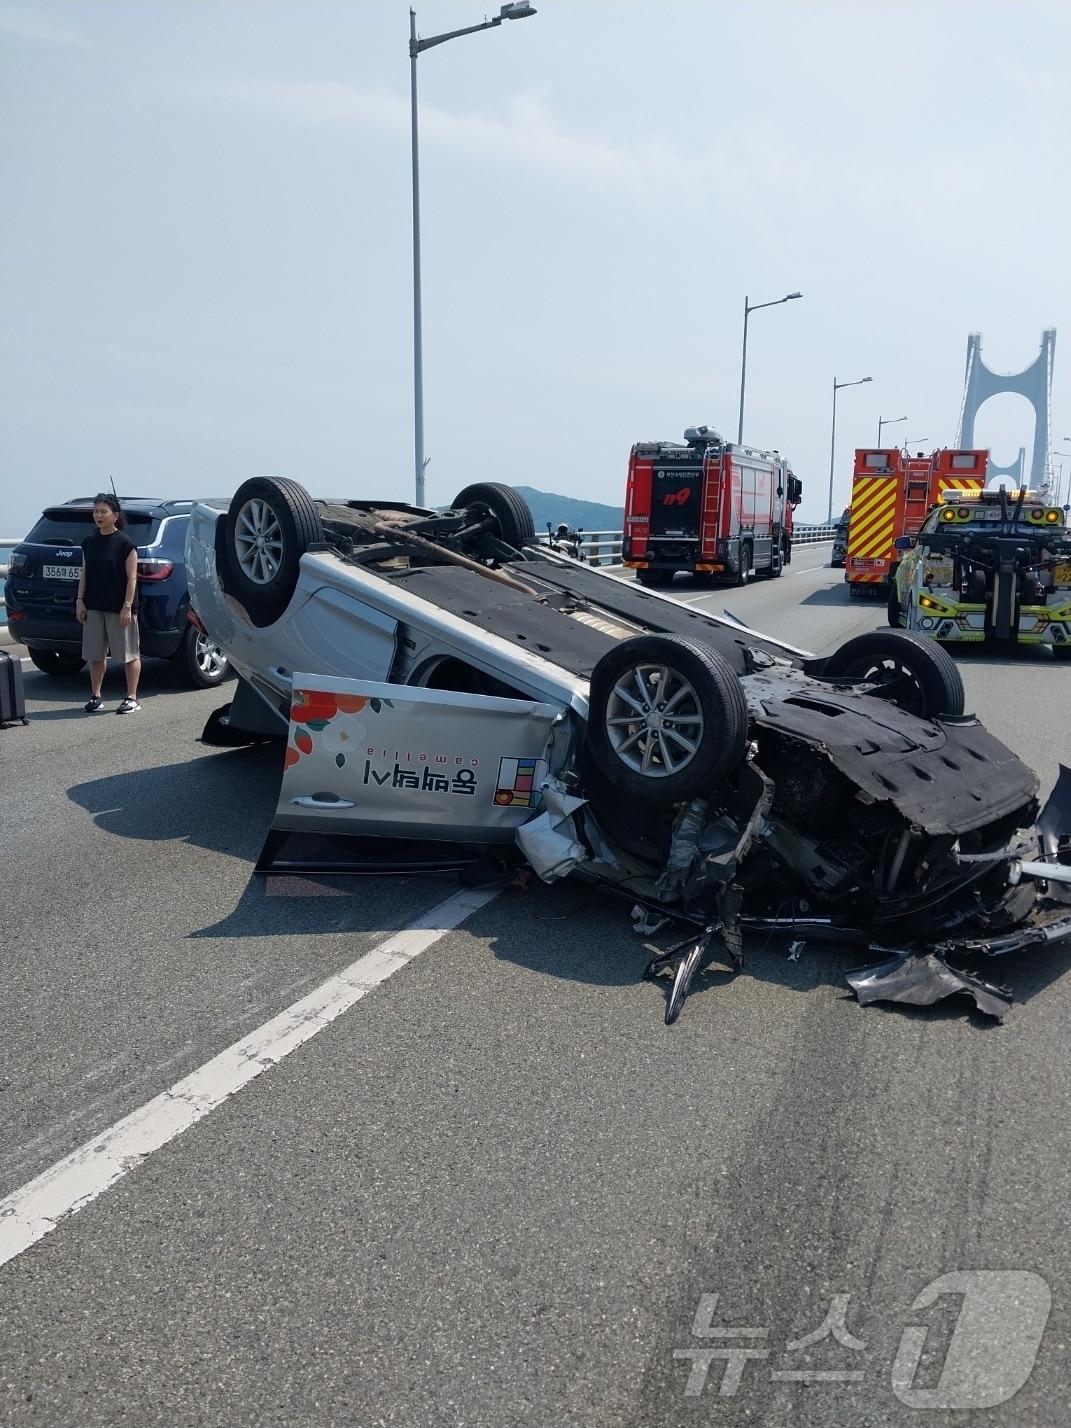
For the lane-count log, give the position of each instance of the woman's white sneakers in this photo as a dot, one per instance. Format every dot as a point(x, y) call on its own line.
point(129, 706)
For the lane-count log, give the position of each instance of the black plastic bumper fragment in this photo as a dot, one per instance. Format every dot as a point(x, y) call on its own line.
point(921, 978)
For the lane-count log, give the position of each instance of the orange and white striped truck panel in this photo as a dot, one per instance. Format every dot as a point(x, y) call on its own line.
point(891, 495)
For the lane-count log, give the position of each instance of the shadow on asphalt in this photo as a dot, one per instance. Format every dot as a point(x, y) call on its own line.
point(836, 595)
point(588, 938)
point(1033, 657)
point(313, 904)
point(223, 800)
point(69, 692)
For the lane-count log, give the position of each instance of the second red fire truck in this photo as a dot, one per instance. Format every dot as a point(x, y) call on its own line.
point(892, 493)
point(707, 507)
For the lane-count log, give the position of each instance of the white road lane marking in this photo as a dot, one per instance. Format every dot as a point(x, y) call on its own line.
point(31, 1212)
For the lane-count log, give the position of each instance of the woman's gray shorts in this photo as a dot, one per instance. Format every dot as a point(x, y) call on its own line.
point(102, 634)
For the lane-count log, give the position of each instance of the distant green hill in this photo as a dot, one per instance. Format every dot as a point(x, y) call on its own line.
point(593, 516)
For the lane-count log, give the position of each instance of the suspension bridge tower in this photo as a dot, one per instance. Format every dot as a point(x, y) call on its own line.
point(1035, 384)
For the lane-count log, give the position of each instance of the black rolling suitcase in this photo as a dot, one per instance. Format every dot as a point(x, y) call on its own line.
point(12, 698)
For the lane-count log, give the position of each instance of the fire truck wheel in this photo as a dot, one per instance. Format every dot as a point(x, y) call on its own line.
point(744, 573)
point(508, 507)
point(667, 718)
point(268, 527)
point(907, 670)
point(655, 578)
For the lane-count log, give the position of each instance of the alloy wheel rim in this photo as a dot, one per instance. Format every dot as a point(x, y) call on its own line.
point(258, 541)
point(654, 720)
point(211, 660)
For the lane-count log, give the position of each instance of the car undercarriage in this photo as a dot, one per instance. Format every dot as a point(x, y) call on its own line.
point(710, 775)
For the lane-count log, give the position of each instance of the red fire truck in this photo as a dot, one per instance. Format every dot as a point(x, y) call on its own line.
point(707, 507)
point(891, 495)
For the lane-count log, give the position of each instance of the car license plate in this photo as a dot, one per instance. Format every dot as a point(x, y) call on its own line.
point(1062, 574)
point(61, 572)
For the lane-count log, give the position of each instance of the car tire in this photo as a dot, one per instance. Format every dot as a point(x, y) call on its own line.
point(705, 741)
point(1061, 651)
point(912, 673)
point(895, 617)
point(511, 511)
point(283, 518)
point(743, 574)
point(199, 661)
point(655, 579)
point(56, 661)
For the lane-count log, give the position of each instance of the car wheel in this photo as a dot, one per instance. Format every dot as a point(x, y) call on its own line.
point(1061, 651)
point(56, 661)
point(895, 618)
point(655, 579)
point(910, 672)
point(667, 718)
point(200, 661)
point(509, 508)
point(745, 564)
point(269, 527)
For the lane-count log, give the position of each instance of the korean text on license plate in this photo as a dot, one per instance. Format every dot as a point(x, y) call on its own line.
point(61, 572)
point(1061, 575)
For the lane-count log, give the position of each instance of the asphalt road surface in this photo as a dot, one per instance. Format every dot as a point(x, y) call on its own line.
point(495, 1189)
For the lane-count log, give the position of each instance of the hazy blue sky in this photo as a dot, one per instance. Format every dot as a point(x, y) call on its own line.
point(206, 235)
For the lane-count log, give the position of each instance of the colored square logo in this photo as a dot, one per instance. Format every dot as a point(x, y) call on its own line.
point(517, 785)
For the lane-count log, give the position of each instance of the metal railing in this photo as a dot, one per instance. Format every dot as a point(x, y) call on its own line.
point(604, 547)
point(599, 547)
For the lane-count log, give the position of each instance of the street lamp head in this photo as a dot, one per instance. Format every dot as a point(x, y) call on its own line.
point(790, 296)
point(516, 11)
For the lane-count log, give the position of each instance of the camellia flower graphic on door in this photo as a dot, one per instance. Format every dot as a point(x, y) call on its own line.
point(318, 712)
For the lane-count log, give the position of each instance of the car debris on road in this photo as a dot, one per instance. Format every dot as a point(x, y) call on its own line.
point(439, 676)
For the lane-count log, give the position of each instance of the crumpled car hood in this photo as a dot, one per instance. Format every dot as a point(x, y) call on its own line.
point(946, 776)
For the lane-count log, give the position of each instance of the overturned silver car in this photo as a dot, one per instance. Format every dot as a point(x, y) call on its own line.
point(439, 677)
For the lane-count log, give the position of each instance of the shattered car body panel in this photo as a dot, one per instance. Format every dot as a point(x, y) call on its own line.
point(710, 773)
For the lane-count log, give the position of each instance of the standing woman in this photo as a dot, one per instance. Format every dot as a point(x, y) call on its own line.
point(105, 603)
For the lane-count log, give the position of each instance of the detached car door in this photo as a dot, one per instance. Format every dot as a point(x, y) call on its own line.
point(400, 761)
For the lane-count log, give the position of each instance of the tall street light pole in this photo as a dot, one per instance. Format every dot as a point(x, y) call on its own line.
point(887, 421)
point(1064, 456)
point(749, 308)
point(516, 11)
point(833, 435)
